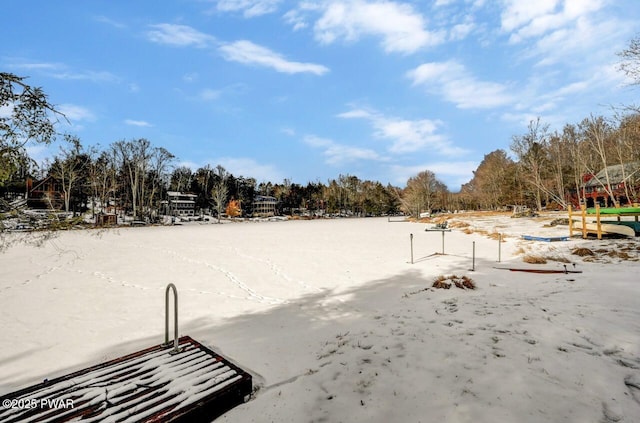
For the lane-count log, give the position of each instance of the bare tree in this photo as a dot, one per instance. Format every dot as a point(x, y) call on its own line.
point(350, 187)
point(69, 167)
point(631, 60)
point(421, 192)
point(204, 185)
point(530, 149)
point(570, 140)
point(159, 162)
point(134, 159)
point(492, 183)
point(331, 194)
point(627, 149)
point(558, 171)
point(597, 134)
point(102, 177)
point(181, 179)
point(220, 191)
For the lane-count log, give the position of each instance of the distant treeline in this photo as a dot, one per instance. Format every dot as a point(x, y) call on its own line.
point(543, 168)
point(547, 169)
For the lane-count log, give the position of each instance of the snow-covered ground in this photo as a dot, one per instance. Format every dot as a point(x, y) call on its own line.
point(337, 325)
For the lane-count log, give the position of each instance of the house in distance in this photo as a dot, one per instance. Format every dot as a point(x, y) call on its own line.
point(179, 204)
point(264, 206)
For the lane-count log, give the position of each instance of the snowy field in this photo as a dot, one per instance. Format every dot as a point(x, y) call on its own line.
point(337, 325)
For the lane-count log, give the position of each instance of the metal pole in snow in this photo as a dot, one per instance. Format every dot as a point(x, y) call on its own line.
point(499, 247)
point(443, 242)
point(473, 262)
point(411, 239)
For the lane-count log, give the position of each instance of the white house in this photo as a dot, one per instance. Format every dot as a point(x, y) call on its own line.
point(179, 204)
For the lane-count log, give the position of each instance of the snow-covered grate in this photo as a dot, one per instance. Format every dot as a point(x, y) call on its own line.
point(152, 385)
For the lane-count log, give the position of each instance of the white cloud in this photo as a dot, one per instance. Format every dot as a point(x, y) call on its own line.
point(62, 71)
point(191, 165)
point(461, 31)
point(544, 107)
point(42, 154)
point(337, 154)
point(453, 173)
point(517, 14)
point(190, 77)
point(250, 168)
point(551, 101)
point(140, 123)
point(109, 21)
point(572, 46)
point(249, 8)
point(412, 135)
point(572, 88)
point(455, 84)
point(76, 113)
point(406, 135)
point(209, 94)
point(523, 119)
point(525, 21)
point(288, 131)
point(401, 28)
point(39, 66)
point(586, 42)
point(295, 19)
point(357, 113)
point(240, 166)
point(94, 76)
point(246, 52)
point(178, 36)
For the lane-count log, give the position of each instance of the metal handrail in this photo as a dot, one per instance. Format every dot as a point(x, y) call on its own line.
point(175, 318)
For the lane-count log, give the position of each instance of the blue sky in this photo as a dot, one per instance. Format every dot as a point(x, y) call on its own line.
point(308, 90)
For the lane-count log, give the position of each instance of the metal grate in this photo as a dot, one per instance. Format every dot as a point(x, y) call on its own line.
point(152, 385)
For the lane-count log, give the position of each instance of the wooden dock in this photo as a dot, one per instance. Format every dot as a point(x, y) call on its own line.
point(152, 385)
